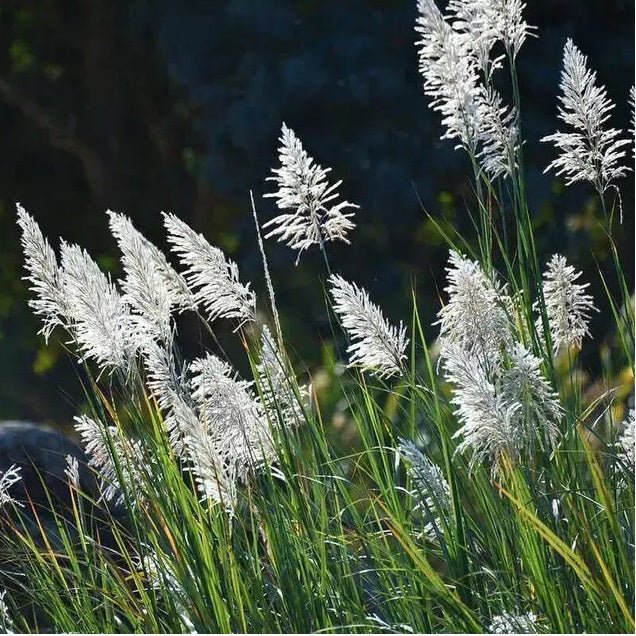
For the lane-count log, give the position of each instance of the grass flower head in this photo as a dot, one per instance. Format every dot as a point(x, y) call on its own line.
point(592, 151)
point(314, 214)
point(376, 345)
point(567, 304)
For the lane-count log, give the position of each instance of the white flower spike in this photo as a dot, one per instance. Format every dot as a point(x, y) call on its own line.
point(567, 305)
point(431, 487)
point(450, 73)
point(98, 317)
point(43, 274)
point(486, 22)
point(376, 346)
point(102, 447)
point(7, 479)
point(592, 151)
point(626, 442)
point(313, 215)
point(152, 288)
point(508, 623)
point(231, 415)
point(213, 279)
point(475, 316)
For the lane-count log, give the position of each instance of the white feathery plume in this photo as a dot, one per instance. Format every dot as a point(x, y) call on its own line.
point(511, 27)
point(314, 214)
point(499, 136)
point(170, 387)
point(625, 444)
point(450, 73)
point(129, 239)
point(502, 401)
point(508, 623)
point(78, 296)
point(592, 152)
point(476, 314)
point(99, 318)
point(450, 59)
point(213, 279)
point(152, 288)
point(102, 446)
point(632, 103)
point(181, 421)
point(487, 22)
point(431, 487)
point(215, 477)
point(7, 479)
point(282, 398)
point(523, 383)
point(502, 411)
point(476, 19)
point(6, 623)
point(144, 290)
point(489, 421)
point(376, 345)
point(72, 471)
point(43, 274)
point(230, 413)
point(567, 305)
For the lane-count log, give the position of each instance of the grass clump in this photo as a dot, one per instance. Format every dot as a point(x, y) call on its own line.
point(484, 490)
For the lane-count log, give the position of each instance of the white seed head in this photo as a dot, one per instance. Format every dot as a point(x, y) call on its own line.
point(625, 445)
point(6, 623)
point(499, 136)
point(72, 471)
point(7, 479)
point(503, 410)
point(116, 458)
point(567, 305)
point(508, 623)
point(523, 383)
point(503, 403)
point(487, 22)
point(511, 27)
point(455, 62)
point(43, 274)
point(476, 19)
point(314, 214)
point(476, 314)
point(450, 73)
point(152, 288)
point(376, 345)
point(99, 319)
point(213, 279)
point(216, 479)
point(168, 383)
point(431, 488)
point(488, 419)
point(231, 414)
point(592, 151)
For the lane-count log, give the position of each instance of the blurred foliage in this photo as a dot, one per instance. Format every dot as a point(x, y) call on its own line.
point(147, 105)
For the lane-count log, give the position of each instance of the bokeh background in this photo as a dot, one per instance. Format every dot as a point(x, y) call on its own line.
point(143, 106)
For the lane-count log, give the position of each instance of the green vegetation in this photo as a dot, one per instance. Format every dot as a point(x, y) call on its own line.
point(482, 489)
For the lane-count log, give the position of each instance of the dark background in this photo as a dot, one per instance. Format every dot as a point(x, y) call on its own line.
point(145, 106)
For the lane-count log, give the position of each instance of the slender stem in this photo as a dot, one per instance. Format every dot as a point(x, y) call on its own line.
point(268, 278)
point(324, 254)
